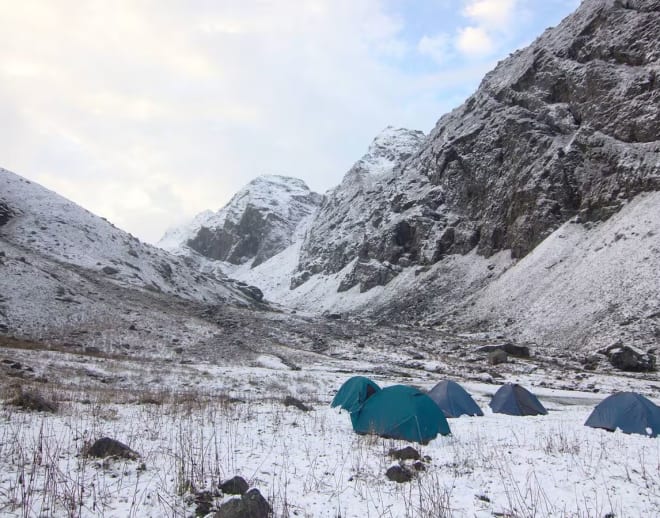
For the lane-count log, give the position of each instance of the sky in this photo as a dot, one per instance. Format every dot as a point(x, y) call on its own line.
point(148, 112)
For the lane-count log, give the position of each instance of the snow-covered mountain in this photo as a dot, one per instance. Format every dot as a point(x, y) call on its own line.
point(258, 222)
point(342, 226)
point(64, 270)
point(560, 143)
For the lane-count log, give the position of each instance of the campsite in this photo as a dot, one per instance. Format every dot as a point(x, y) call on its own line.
point(219, 422)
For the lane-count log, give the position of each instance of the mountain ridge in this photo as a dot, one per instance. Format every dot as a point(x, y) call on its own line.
point(563, 132)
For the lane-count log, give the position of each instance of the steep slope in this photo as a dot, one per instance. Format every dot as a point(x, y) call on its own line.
point(336, 221)
point(64, 270)
point(510, 215)
point(568, 126)
point(584, 285)
point(258, 222)
point(346, 217)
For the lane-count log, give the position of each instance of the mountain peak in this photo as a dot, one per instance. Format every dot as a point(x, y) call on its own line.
point(389, 148)
point(279, 181)
point(257, 223)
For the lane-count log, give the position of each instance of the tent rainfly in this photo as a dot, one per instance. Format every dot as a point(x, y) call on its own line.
point(512, 399)
point(354, 392)
point(454, 400)
point(400, 412)
point(627, 411)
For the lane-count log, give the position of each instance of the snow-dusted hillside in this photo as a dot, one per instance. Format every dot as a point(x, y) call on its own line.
point(565, 130)
point(569, 125)
point(584, 285)
point(345, 219)
point(258, 222)
point(64, 270)
point(51, 226)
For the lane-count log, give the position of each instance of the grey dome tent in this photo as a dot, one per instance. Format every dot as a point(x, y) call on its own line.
point(454, 400)
point(512, 399)
point(354, 392)
point(628, 411)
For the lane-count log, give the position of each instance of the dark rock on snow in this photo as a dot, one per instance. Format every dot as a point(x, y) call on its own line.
point(292, 401)
point(234, 486)
point(497, 356)
point(203, 503)
point(251, 505)
point(520, 351)
point(626, 358)
point(399, 474)
point(6, 213)
point(107, 447)
point(407, 453)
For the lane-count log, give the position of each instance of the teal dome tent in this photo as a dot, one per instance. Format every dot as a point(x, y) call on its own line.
point(401, 412)
point(354, 392)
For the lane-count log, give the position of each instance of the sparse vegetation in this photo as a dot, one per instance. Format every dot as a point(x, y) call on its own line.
point(32, 399)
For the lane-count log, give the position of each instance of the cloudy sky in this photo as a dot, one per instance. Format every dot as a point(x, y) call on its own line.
point(150, 111)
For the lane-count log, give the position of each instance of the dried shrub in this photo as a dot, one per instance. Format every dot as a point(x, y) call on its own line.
point(33, 400)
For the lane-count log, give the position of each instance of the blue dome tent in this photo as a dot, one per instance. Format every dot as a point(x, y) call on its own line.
point(454, 400)
point(627, 411)
point(401, 412)
point(512, 399)
point(354, 392)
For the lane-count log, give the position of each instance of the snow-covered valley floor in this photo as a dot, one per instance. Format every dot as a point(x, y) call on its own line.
point(204, 423)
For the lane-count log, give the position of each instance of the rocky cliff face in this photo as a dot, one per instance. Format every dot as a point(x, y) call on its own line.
point(259, 222)
point(347, 216)
point(566, 128)
point(532, 209)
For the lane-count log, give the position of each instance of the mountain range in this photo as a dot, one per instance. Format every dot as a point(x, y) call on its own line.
point(532, 209)
point(530, 212)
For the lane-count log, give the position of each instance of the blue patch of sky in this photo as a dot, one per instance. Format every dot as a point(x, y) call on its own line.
point(431, 18)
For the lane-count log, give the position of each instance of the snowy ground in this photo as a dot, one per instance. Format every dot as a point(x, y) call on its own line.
point(214, 422)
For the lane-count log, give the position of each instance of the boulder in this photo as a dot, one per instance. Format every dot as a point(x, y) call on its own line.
point(497, 356)
point(625, 358)
point(252, 291)
point(399, 474)
point(203, 503)
point(107, 447)
point(234, 486)
point(407, 453)
point(251, 505)
point(520, 351)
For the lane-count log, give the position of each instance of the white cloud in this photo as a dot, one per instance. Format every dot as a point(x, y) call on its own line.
point(167, 107)
point(137, 97)
point(490, 21)
point(492, 14)
point(474, 41)
point(437, 47)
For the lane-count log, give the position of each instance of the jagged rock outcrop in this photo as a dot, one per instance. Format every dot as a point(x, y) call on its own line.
point(531, 209)
point(345, 221)
point(566, 128)
point(6, 213)
point(259, 222)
